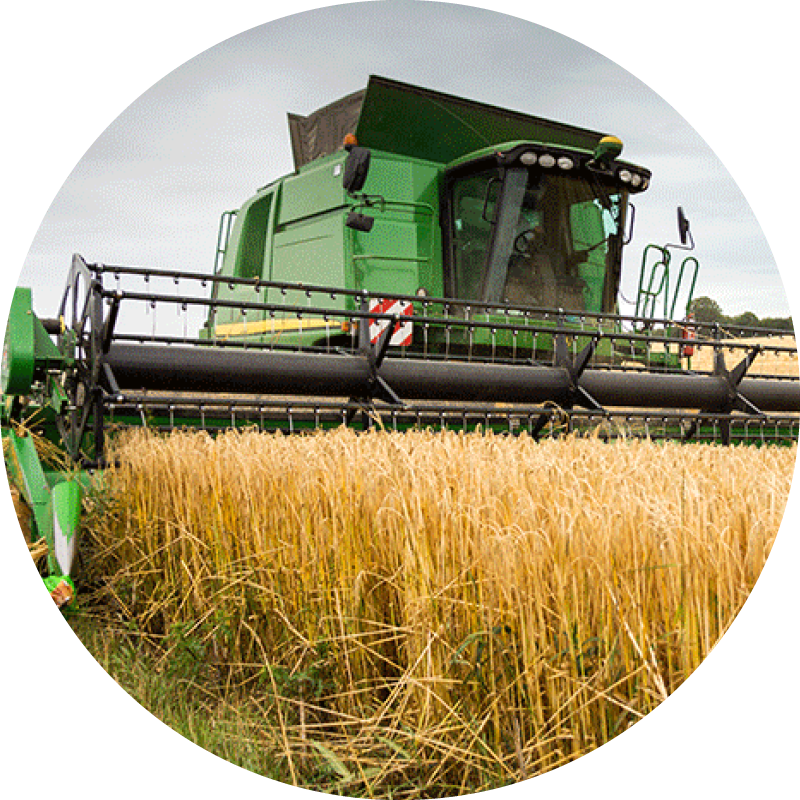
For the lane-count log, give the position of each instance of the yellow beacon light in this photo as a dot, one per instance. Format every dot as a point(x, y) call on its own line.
point(608, 148)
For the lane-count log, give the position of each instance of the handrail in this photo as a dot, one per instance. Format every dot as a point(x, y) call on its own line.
point(678, 285)
point(643, 295)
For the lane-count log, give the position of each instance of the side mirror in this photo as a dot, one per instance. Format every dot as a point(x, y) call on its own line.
point(687, 242)
point(356, 167)
point(683, 226)
point(359, 222)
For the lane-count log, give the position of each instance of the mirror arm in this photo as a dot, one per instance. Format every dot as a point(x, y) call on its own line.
point(689, 246)
point(628, 236)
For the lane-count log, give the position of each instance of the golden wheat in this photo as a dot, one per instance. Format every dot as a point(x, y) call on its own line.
point(438, 610)
point(767, 362)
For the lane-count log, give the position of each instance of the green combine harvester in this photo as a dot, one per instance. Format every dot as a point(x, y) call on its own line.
point(431, 261)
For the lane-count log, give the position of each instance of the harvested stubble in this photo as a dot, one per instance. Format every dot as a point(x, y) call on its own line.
point(427, 614)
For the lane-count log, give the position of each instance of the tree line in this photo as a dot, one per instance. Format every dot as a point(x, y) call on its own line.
point(704, 309)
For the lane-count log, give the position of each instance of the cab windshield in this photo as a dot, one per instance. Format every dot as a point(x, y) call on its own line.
point(536, 238)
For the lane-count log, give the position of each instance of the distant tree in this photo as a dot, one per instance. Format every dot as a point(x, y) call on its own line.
point(706, 310)
point(747, 320)
point(780, 323)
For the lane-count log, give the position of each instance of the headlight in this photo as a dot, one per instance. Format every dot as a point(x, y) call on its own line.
point(636, 179)
point(565, 163)
point(625, 175)
point(528, 158)
point(547, 160)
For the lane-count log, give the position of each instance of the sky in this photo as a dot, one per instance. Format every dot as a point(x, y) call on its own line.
point(151, 188)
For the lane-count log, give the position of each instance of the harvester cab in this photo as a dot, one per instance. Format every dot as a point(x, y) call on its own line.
point(435, 196)
point(431, 261)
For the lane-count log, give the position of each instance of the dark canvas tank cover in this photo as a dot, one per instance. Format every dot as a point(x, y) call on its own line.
point(408, 120)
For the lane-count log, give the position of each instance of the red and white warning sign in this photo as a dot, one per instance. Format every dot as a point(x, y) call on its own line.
point(403, 330)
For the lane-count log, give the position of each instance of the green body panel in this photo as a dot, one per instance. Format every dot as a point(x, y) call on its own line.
point(54, 498)
point(403, 251)
point(28, 475)
point(66, 501)
point(299, 226)
point(19, 345)
point(27, 347)
point(315, 188)
point(586, 224)
point(309, 251)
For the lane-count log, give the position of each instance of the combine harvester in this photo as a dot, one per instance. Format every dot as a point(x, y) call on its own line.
point(431, 261)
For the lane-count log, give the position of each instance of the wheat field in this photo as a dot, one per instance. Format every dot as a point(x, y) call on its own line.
point(430, 614)
point(767, 362)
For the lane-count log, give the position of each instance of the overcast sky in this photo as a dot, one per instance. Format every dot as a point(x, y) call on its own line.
point(151, 188)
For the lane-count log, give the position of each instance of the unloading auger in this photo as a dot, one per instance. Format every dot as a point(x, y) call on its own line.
point(450, 265)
